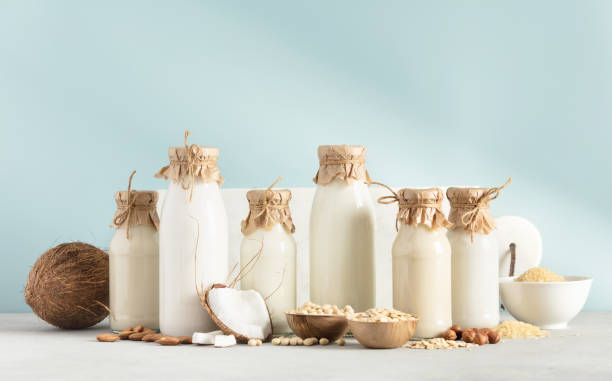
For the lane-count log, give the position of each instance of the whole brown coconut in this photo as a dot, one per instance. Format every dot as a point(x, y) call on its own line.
point(68, 286)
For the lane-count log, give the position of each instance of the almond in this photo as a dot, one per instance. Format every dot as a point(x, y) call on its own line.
point(137, 336)
point(125, 335)
point(168, 340)
point(148, 330)
point(107, 337)
point(185, 339)
point(151, 337)
point(139, 328)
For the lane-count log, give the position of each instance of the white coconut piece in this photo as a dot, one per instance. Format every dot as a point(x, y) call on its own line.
point(222, 341)
point(205, 338)
point(240, 312)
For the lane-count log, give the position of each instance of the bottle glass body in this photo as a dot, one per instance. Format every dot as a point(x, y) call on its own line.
point(186, 226)
point(342, 268)
point(422, 277)
point(134, 278)
point(475, 279)
point(272, 273)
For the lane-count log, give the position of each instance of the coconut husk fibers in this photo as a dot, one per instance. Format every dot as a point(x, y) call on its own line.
point(68, 286)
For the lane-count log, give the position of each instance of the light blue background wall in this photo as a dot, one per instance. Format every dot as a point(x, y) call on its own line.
point(442, 92)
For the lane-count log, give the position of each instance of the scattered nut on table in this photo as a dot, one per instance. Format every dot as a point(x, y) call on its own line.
point(254, 342)
point(311, 341)
point(450, 335)
point(107, 337)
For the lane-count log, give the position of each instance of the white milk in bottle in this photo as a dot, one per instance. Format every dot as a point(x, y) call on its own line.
point(268, 251)
point(475, 263)
point(193, 238)
point(342, 230)
point(422, 260)
point(134, 261)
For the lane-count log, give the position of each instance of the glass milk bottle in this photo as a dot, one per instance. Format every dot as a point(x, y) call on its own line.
point(193, 238)
point(475, 263)
point(342, 269)
point(268, 252)
point(422, 260)
point(134, 261)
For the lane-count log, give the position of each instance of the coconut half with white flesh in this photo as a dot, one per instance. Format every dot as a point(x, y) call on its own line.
point(242, 313)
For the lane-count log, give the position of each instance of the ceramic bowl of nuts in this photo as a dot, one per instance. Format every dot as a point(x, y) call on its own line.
point(382, 328)
point(312, 320)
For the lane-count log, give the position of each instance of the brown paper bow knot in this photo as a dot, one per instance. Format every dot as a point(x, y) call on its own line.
point(262, 204)
point(473, 219)
point(195, 158)
point(126, 214)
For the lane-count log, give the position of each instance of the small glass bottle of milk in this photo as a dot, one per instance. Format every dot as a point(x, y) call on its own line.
point(422, 260)
point(268, 253)
point(342, 269)
point(475, 262)
point(134, 261)
point(193, 238)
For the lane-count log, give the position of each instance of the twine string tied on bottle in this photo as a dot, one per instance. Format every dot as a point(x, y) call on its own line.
point(471, 218)
point(125, 215)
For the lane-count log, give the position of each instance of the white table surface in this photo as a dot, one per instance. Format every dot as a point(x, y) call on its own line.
point(31, 349)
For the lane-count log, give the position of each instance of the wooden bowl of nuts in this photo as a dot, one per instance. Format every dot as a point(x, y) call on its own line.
point(312, 320)
point(382, 328)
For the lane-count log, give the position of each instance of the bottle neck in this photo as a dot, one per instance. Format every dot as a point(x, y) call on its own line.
point(405, 228)
point(277, 228)
point(198, 184)
point(341, 183)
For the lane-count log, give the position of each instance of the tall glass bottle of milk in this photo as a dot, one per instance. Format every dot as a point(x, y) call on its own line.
point(342, 230)
point(475, 293)
point(192, 238)
point(134, 261)
point(268, 252)
point(422, 260)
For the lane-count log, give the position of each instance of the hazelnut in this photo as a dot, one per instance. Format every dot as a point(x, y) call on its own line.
point(450, 335)
point(494, 337)
point(481, 339)
point(468, 336)
point(483, 331)
point(458, 330)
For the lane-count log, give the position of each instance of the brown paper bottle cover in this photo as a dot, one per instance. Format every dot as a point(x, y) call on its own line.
point(341, 162)
point(470, 208)
point(190, 162)
point(417, 206)
point(267, 207)
point(137, 209)
point(204, 164)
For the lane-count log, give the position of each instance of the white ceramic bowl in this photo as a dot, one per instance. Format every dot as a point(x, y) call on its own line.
point(549, 305)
